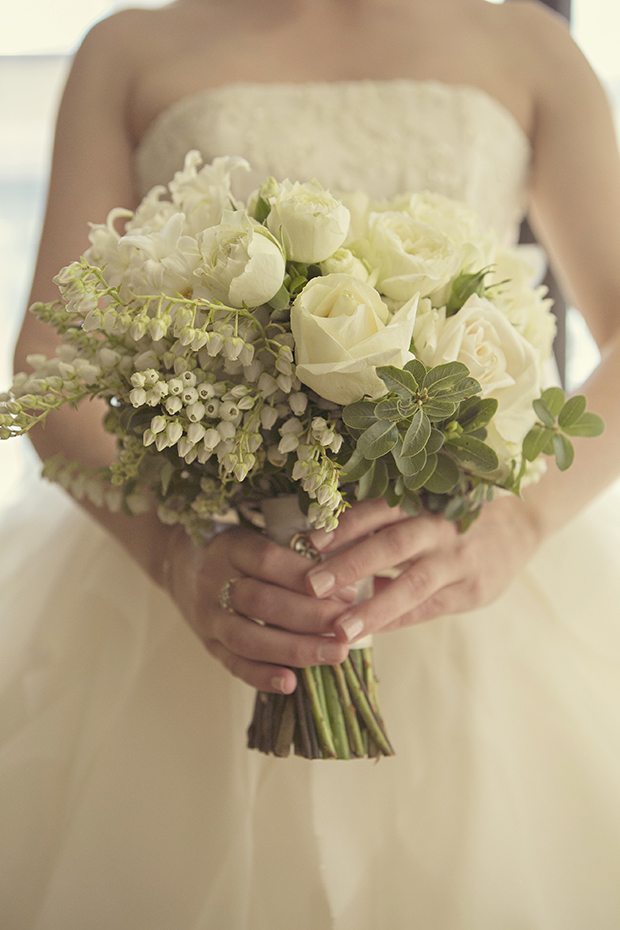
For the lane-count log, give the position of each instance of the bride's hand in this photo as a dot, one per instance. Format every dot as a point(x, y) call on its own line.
point(442, 571)
point(267, 583)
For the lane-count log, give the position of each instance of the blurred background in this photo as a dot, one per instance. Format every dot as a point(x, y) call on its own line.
point(37, 39)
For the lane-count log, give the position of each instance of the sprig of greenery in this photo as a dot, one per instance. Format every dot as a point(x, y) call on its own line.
point(558, 419)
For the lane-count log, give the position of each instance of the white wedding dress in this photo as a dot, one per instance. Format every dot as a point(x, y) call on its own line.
point(128, 800)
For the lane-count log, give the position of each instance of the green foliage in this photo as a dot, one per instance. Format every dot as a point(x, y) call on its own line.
point(464, 286)
point(558, 419)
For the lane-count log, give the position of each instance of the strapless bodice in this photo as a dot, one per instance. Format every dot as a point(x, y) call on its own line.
point(383, 137)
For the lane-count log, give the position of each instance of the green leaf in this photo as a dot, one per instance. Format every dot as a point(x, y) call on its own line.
point(456, 509)
point(126, 417)
point(415, 482)
point(417, 435)
point(411, 504)
point(439, 409)
point(476, 412)
point(392, 496)
point(356, 466)
point(473, 453)
point(374, 483)
point(444, 377)
point(166, 476)
point(262, 209)
point(378, 439)
point(280, 300)
point(359, 415)
point(411, 464)
point(463, 287)
point(445, 476)
point(564, 451)
point(554, 399)
point(572, 411)
point(389, 410)
point(462, 390)
point(543, 413)
point(435, 441)
point(589, 424)
point(398, 380)
point(416, 368)
point(535, 441)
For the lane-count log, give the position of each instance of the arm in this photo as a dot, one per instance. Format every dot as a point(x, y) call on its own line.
point(575, 192)
point(91, 174)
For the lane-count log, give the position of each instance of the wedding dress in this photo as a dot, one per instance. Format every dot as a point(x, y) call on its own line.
point(128, 800)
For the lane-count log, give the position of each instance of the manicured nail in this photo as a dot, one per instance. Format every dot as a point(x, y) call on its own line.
point(322, 539)
point(348, 594)
point(279, 684)
point(330, 652)
point(321, 582)
point(351, 627)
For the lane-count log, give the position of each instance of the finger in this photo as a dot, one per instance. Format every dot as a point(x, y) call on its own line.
point(362, 518)
point(417, 585)
point(261, 643)
point(259, 675)
point(251, 553)
point(453, 599)
point(283, 608)
point(394, 545)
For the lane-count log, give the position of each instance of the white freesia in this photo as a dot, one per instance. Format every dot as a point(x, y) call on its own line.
point(410, 256)
point(242, 263)
point(343, 331)
point(497, 355)
point(310, 223)
point(203, 194)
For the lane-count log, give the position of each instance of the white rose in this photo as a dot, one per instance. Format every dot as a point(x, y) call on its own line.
point(410, 256)
point(498, 356)
point(527, 307)
point(310, 223)
point(343, 331)
point(343, 261)
point(242, 263)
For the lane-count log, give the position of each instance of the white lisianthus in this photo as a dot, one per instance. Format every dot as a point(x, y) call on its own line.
point(310, 223)
point(411, 257)
point(203, 194)
point(527, 307)
point(497, 355)
point(242, 262)
point(162, 261)
point(343, 331)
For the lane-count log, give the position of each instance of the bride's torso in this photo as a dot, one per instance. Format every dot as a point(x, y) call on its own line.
point(382, 96)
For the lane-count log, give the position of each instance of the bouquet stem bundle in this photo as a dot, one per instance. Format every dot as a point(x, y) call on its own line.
point(332, 714)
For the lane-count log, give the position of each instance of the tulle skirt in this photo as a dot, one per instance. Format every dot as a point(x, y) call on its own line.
point(128, 800)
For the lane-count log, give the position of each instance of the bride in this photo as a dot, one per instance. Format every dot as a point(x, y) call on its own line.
point(127, 797)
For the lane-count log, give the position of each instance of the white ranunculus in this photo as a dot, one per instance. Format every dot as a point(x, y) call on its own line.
point(527, 307)
point(497, 355)
point(310, 223)
point(343, 331)
point(410, 256)
point(242, 262)
point(203, 194)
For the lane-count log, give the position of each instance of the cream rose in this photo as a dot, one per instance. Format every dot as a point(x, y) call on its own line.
point(242, 263)
point(310, 223)
point(527, 307)
point(497, 355)
point(342, 332)
point(410, 256)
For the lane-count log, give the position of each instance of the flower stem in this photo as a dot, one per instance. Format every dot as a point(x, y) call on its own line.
point(317, 696)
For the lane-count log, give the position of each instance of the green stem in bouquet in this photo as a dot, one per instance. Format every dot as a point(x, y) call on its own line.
point(314, 686)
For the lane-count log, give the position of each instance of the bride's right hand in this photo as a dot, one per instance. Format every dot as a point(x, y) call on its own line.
point(288, 626)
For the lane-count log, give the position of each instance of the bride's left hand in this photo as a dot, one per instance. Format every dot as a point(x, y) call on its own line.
point(442, 571)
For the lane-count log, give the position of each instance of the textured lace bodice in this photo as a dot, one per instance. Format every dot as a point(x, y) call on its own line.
point(383, 137)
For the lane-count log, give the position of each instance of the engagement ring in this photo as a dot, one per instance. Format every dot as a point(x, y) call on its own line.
point(224, 595)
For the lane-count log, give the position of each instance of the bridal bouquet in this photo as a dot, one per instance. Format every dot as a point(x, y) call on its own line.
point(307, 346)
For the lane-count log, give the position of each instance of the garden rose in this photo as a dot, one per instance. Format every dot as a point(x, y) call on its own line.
point(310, 223)
point(343, 331)
point(497, 355)
point(242, 262)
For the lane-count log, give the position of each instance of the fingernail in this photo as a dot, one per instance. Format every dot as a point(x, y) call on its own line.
point(321, 582)
point(347, 594)
point(279, 684)
point(330, 652)
point(322, 539)
point(351, 627)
